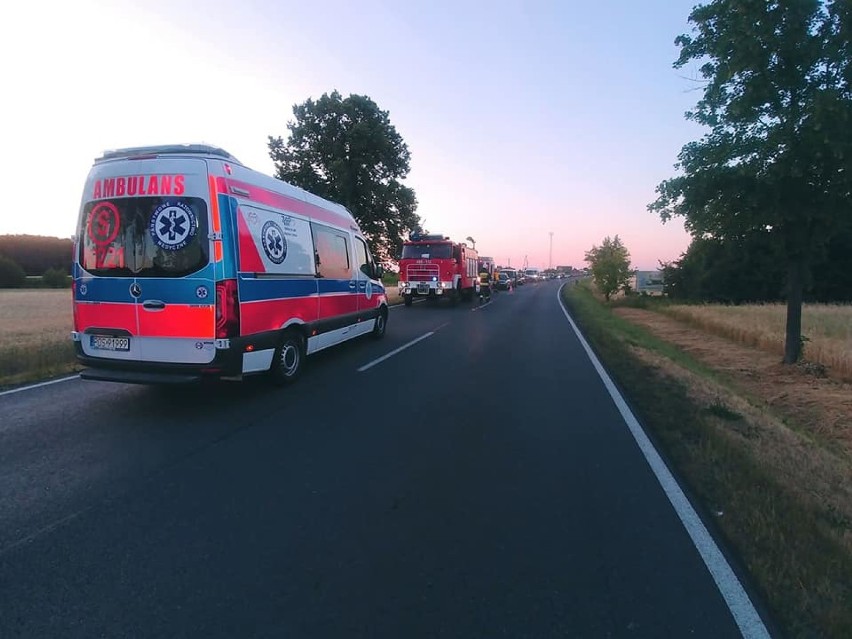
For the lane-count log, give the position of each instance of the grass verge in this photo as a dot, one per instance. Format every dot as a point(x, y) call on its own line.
point(797, 549)
point(35, 340)
point(20, 364)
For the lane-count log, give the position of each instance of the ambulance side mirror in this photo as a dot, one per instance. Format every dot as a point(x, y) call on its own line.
point(373, 272)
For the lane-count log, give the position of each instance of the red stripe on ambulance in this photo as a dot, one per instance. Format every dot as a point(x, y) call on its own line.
point(249, 256)
point(178, 320)
point(102, 314)
point(292, 205)
point(271, 315)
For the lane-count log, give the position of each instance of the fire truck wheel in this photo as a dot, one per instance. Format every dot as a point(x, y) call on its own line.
point(408, 299)
point(289, 359)
point(455, 296)
point(381, 324)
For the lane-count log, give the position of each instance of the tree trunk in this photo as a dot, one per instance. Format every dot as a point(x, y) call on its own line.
point(795, 286)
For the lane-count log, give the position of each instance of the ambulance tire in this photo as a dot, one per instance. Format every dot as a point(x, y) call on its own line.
point(289, 359)
point(381, 325)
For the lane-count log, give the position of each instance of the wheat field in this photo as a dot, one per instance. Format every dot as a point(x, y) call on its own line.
point(826, 329)
point(35, 327)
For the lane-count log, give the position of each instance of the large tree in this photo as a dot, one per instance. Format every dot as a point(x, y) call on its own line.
point(610, 265)
point(776, 159)
point(729, 271)
point(347, 150)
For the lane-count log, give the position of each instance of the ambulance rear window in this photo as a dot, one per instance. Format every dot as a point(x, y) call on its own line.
point(144, 236)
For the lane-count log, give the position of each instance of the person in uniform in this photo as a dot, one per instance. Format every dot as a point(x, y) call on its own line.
point(484, 284)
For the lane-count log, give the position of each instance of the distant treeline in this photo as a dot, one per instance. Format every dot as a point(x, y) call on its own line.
point(752, 269)
point(36, 254)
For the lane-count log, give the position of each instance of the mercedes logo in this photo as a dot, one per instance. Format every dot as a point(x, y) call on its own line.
point(135, 290)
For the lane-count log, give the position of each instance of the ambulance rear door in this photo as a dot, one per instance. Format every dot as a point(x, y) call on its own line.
point(147, 227)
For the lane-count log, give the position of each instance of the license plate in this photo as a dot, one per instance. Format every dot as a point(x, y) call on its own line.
point(423, 288)
point(107, 343)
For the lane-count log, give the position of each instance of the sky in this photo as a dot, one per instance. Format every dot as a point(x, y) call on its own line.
point(523, 118)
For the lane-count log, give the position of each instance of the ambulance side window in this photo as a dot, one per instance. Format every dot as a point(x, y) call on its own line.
point(363, 261)
point(331, 249)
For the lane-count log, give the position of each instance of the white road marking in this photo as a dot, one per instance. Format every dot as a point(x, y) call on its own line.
point(402, 304)
point(40, 384)
point(745, 615)
point(399, 350)
point(476, 308)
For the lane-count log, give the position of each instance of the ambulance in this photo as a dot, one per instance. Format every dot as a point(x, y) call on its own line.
point(188, 265)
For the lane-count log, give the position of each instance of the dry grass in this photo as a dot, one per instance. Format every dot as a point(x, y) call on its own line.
point(827, 329)
point(34, 311)
point(35, 328)
point(393, 295)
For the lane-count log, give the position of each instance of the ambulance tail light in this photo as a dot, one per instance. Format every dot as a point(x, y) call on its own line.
point(227, 309)
point(74, 304)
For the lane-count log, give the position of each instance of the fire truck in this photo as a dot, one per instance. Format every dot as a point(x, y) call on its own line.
point(433, 266)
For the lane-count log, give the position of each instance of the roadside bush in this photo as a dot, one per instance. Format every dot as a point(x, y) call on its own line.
point(55, 278)
point(11, 274)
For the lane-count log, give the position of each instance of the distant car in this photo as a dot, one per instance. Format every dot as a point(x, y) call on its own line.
point(503, 281)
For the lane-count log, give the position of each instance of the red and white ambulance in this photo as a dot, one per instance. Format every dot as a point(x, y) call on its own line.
point(189, 265)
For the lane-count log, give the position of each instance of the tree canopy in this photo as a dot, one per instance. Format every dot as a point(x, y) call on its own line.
point(346, 150)
point(11, 274)
point(752, 269)
point(610, 265)
point(37, 253)
point(776, 159)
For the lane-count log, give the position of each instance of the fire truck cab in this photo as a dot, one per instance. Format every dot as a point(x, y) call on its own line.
point(435, 267)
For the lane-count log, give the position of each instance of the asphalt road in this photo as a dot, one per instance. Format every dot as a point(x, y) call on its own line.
point(479, 483)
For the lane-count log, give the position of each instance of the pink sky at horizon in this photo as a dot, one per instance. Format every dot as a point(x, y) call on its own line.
point(532, 118)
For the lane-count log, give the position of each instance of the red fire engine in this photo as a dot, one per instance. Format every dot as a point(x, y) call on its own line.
point(433, 266)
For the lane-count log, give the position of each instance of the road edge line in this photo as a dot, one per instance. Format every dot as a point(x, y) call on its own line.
point(39, 385)
point(740, 605)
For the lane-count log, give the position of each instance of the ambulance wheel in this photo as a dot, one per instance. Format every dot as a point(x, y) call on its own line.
point(289, 359)
point(408, 300)
point(381, 324)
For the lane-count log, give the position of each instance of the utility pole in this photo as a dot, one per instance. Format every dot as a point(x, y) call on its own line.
point(550, 258)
